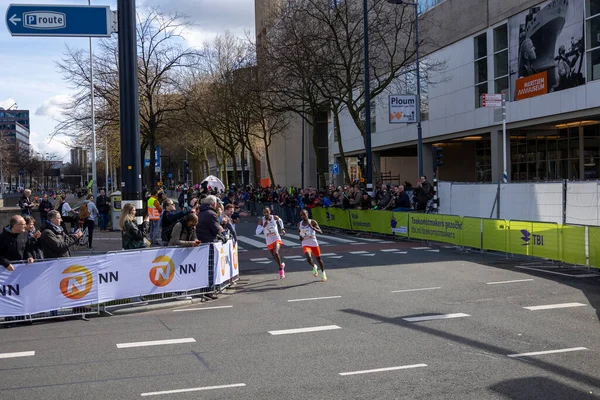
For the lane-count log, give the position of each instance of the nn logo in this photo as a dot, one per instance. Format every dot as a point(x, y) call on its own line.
point(10, 290)
point(164, 270)
point(223, 260)
point(78, 282)
point(234, 256)
point(528, 238)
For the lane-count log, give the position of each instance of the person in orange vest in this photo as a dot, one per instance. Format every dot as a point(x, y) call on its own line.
point(154, 212)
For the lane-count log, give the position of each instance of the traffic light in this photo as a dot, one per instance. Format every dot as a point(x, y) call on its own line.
point(361, 161)
point(437, 157)
point(186, 167)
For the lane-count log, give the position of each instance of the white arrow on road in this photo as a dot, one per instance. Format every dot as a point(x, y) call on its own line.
point(14, 19)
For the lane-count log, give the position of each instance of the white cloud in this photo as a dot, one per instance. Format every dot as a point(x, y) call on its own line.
point(53, 106)
point(7, 103)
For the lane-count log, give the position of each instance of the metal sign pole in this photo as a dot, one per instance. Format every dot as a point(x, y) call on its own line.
point(505, 177)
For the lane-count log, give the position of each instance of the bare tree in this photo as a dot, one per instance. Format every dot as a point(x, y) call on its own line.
point(163, 62)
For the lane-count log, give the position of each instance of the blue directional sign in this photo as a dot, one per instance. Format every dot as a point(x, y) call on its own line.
point(335, 169)
point(60, 20)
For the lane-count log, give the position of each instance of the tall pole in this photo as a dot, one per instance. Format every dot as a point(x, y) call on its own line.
point(419, 131)
point(129, 107)
point(106, 167)
point(302, 161)
point(369, 155)
point(505, 176)
point(94, 175)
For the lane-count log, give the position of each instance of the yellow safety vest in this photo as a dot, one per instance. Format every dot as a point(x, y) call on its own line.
point(153, 214)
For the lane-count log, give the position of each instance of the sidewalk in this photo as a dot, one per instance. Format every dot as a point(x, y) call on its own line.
point(102, 243)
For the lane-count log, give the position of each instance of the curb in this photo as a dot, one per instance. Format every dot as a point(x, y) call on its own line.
point(157, 306)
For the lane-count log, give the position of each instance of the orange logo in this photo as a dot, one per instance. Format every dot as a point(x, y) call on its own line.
point(163, 273)
point(223, 261)
point(77, 285)
point(235, 257)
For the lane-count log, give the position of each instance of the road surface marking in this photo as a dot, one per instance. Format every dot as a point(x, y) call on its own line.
point(552, 306)
point(421, 248)
point(433, 251)
point(155, 343)
point(337, 239)
point(415, 290)
point(368, 240)
point(401, 252)
point(201, 308)
point(359, 252)
point(388, 250)
point(259, 259)
point(368, 255)
point(537, 353)
point(370, 371)
point(387, 242)
point(298, 259)
point(515, 281)
point(197, 389)
point(431, 317)
point(337, 257)
point(18, 354)
point(328, 255)
point(264, 262)
point(292, 257)
point(315, 298)
point(252, 242)
point(559, 273)
point(305, 330)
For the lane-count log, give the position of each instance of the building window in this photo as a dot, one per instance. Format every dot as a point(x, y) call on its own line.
point(373, 116)
point(501, 59)
point(425, 5)
point(481, 70)
point(592, 33)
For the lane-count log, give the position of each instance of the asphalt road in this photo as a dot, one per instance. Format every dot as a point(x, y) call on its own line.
point(396, 320)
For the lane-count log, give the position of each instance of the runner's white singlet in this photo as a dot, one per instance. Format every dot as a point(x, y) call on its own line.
point(309, 233)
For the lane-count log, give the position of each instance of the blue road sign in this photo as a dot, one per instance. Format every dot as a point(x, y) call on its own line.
point(60, 20)
point(335, 169)
point(170, 175)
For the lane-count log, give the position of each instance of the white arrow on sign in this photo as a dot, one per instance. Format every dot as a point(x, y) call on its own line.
point(14, 19)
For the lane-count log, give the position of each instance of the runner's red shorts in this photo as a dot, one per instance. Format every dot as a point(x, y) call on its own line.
point(316, 251)
point(271, 246)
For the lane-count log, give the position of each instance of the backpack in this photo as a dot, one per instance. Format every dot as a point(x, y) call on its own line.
point(84, 213)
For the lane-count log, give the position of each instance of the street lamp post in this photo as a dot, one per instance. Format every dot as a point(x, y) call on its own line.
point(419, 130)
point(368, 151)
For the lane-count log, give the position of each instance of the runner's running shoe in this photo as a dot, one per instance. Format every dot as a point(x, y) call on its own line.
point(281, 271)
point(315, 271)
point(323, 277)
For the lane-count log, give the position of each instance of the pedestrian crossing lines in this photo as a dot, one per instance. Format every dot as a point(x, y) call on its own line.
point(257, 241)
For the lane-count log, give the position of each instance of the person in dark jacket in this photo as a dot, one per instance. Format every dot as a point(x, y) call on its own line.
point(184, 232)
point(208, 220)
point(402, 201)
point(55, 241)
point(103, 205)
point(14, 243)
point(170, 217)
point(132, 234)
point(25, 203)
point(34, 238)
point(45, 206)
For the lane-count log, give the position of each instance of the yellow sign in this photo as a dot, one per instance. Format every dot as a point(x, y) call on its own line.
point(439, 228)
point(384, 222)
point(494, 234)
point(594, 243)
point(332, 217)
point(520, 238)
point(544, 240)
point(573, 244)
point(471, 232)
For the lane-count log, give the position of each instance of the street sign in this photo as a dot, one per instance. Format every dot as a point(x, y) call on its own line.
point(491, 97)
point(402, 109)
point(487, 103)
point(60, 20)
point(335, 169)
point(21, 173)
point(170, 175)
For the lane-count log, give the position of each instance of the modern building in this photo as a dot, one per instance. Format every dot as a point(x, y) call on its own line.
point(543, 56)
point(79, 157)
point(14, 126)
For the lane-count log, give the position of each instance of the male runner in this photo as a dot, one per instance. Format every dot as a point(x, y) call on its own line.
point(268, 226)
point(307, 229)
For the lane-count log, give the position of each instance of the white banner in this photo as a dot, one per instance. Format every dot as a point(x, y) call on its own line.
point(73, 282)
point(49, 285)
point(403, 109)
point(145, 272)
point(225, 262)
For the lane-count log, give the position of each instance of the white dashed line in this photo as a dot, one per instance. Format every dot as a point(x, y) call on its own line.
point(155, 343)
point(370, 371)
point(305, 330)
point(197, 389)
point(18, 354)
point(315, 298)
point(421, 248)
point(553, 306)
point(358, 252)
point(201, 308)
point(537, 353)
point(415, 290)
point(432, 317)
point(258, 259)
point(515, 281)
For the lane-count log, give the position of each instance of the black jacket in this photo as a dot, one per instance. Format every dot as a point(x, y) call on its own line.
point(14, 247)
point(133, 235)
point(45, 206)
point(169, 219)
point(208, 224)
point(36, 247)
point(25, 204)
point(102, 204)
point(55, 243)
point(402, 201)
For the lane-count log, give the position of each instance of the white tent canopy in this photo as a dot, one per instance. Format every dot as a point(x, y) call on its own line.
point(214, 183)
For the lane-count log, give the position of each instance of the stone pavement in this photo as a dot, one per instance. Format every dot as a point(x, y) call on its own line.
point(103, 242)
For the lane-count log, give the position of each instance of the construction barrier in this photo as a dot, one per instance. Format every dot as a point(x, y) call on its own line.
point(537, 239)
point(85, 283)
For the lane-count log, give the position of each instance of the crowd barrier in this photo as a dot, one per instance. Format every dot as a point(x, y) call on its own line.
point(86, 285)
point(573, 244)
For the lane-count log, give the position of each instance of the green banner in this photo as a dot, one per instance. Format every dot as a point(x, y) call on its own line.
point(544, 240)
point(520, 238)
point(494, 234)
point(471, 232)
point(384, 222)
point(435, 227)
point(594, 244)
point(332, 217)
point(573, 244)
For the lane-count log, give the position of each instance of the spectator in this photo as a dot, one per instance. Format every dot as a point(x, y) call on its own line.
point(208, 220)
point(154, 213)
point(103, 205)
point(402, 202)
point(365, 202)
point(45, 206)
point(25, 203)
point(170, 217)
point(89, 215)
point(55, 241)
point(228, 220)
point(34, 236)
point(14, 243)
point(423, 193)
point(184, 232)
point(133, 236)
point(385, 200)
point(66, 213)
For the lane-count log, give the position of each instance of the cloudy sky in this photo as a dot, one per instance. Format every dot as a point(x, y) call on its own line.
point(28, 73)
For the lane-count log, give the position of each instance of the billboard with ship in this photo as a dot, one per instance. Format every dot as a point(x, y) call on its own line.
point(546, 48)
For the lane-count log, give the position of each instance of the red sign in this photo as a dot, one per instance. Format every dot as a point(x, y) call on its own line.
point(531, 86)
